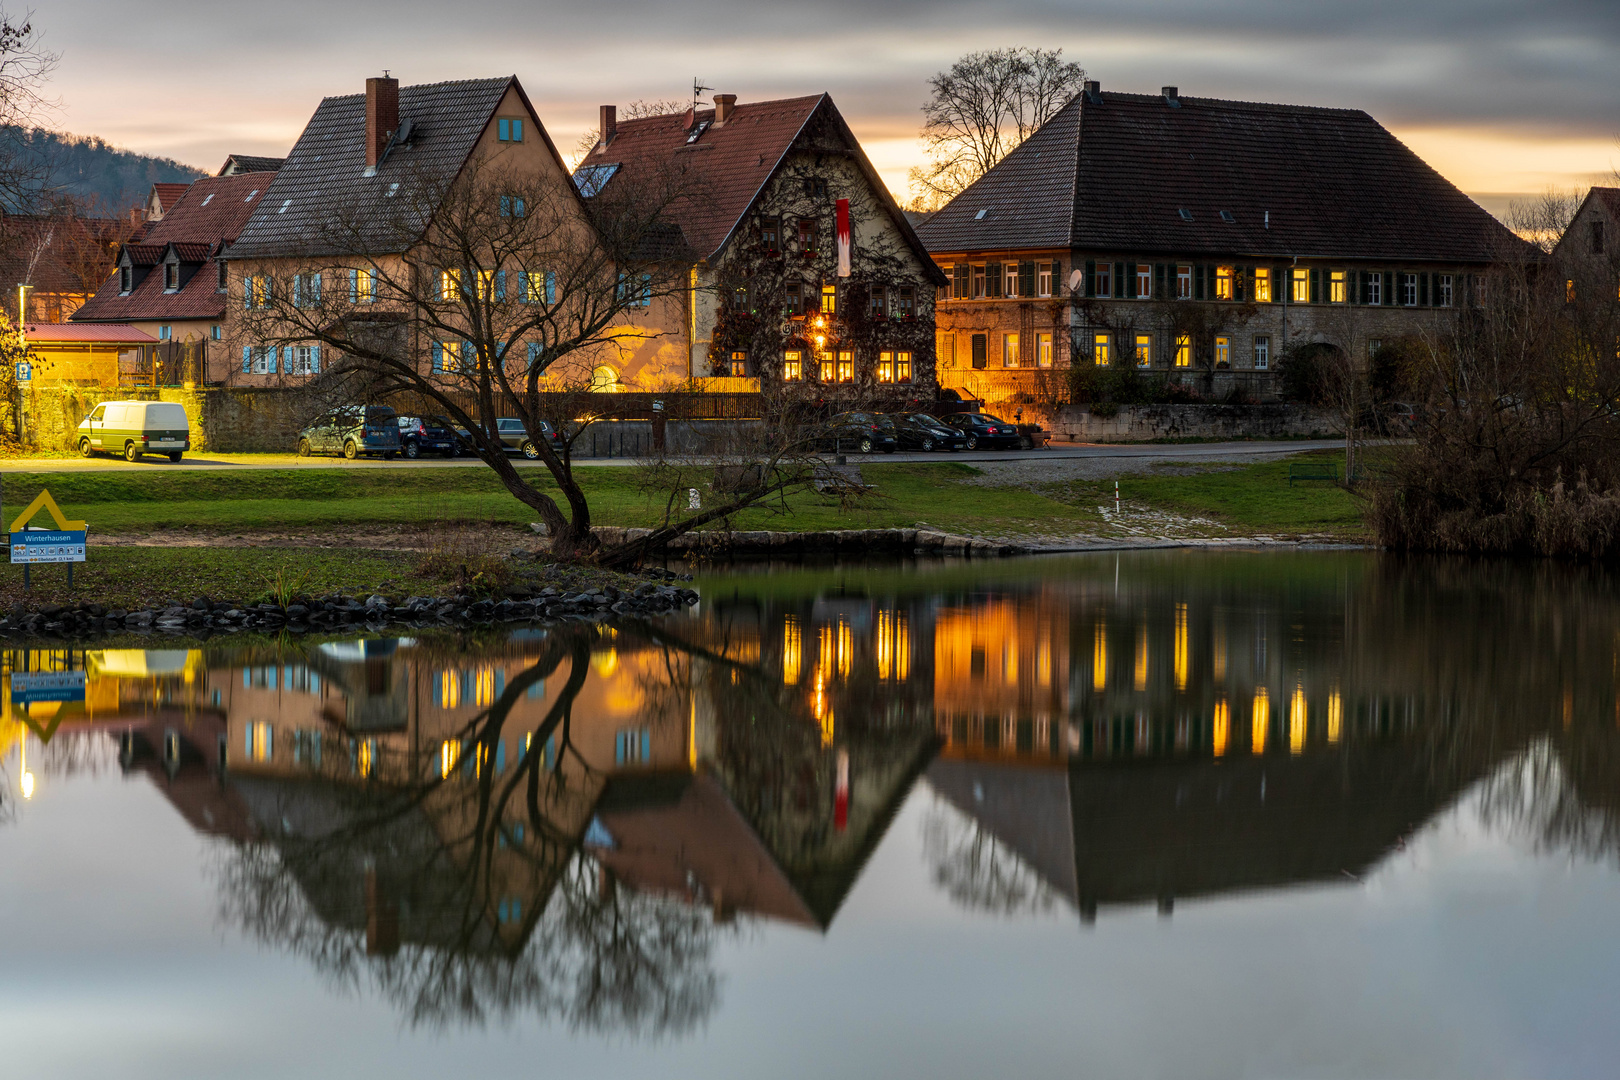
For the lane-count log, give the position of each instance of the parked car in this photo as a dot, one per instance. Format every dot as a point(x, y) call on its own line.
point(515, 437)
point(983, 431)
point(420, 435)
point(353, 430)
point(919, 431)
point(860, 431)
point(133, 428)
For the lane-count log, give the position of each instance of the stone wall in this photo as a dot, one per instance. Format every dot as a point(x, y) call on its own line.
point(1141, 423)
point(222, 420)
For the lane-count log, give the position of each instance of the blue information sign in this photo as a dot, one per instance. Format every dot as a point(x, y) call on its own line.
point(25, 371)
point(28, 687)
point(47, 547)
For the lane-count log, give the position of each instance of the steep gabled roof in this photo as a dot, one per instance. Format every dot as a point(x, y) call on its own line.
point(1334, 183)
point(166, 195)
point(209, 215)
point(324, 179)
point(729, 166)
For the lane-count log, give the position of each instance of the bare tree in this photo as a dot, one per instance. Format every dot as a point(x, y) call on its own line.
point(986, 104)
point(1544, 219)
point(636, 110)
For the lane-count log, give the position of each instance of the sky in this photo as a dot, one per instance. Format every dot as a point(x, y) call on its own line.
point(1503, 98)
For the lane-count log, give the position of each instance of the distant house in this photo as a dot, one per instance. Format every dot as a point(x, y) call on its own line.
point(759, 220)
point(171, 282)
point(161, 199)
point(236, 164)
point(1588, 254)
point(1199, 238)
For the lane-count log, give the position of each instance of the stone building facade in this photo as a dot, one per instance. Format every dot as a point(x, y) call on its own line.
point(1200, 239)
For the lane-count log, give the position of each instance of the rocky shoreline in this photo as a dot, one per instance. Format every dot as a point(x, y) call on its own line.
point(833, 541)
point(204, 617)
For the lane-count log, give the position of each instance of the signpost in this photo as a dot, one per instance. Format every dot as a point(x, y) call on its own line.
point(64, 544)
point(25, 371)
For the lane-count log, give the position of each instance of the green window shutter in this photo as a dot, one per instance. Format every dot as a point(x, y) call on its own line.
point(964, 281)
point(1316, 285)
point(1240, 280)
point(1158, 281)
point(1026, 279)
point(1091, 278)
point(981, 349)
point(1423, 290)
point(1198, 282)
point(1057, 277)
point(1119, 279)
point(1392, 285)
point(992, 279)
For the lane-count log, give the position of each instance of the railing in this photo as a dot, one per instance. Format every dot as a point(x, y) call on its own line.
point(169, 363)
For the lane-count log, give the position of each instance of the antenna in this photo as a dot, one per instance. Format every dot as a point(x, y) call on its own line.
point(697, 92)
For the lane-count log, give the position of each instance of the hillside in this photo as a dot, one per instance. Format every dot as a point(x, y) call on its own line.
point(109, 177)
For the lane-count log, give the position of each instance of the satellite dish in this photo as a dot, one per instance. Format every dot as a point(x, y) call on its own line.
point(1076, 277)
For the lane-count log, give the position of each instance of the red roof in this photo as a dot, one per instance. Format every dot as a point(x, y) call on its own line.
point(83, 332)
point(211, 212)
point(168, 194)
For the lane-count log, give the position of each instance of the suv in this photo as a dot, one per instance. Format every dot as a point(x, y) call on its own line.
point(424, 434)
point(861, 431)
point(984, 431)
point(516, 439)
point(353, 430)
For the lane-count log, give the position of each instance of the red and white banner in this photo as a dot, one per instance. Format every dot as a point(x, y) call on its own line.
point(843, 238)
point(841, 792)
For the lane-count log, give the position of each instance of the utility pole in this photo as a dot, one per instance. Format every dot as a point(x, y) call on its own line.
point(22, 339)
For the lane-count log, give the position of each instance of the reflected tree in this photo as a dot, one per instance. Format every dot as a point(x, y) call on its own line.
point(979, 872)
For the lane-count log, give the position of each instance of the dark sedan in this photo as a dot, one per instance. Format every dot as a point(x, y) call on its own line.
point(860, 431)
point(420, 435)
point(919, 431)
point(983, 431)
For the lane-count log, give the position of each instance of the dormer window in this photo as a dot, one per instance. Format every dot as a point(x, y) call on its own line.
point(126, 280)
point(171, 277)
point(697, 131)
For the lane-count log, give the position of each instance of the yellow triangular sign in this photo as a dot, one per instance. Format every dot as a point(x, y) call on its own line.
point(43, 501)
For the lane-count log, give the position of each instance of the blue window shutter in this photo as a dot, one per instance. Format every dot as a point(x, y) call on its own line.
point(500, 284)
point(500, 756)
point(500, 683)
point(315, 283)
point(354, 286)
point(503, 130)
point(438, 356)
point(517, 130)
point(314, 359)
point(645, 298)
point(618, 748)
point(246, 679)
point(468, 356)
point(298, 290)
point(247, 359)
point(270, 359)
point(523, 287)
point(551, 286)
point(534, 351)
point(646, 744)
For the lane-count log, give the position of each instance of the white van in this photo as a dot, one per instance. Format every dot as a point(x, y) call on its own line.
point(133, 428)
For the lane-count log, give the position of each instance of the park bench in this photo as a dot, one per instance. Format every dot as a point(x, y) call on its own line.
point(1312, 470)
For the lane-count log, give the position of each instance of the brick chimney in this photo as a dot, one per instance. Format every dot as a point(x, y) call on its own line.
point(723, 104)
point(382, 116)
point(608, 125)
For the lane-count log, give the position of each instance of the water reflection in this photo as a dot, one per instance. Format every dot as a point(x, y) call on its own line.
point(568, 823)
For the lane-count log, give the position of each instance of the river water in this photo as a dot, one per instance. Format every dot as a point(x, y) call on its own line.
point(1325, 814)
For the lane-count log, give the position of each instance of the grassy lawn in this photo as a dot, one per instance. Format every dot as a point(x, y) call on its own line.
point(1246, 500)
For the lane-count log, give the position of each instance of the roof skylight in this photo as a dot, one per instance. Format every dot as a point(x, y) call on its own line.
point(1186, 215)
point(208, 199)
point(1226, 216)
point(590, 179)
point(980, 215)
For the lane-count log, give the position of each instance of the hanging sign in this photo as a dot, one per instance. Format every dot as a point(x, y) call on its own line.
point(843, 238)
point(64, 544)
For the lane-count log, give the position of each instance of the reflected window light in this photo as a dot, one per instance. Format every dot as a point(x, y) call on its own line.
point(484, 688)
point(1262, 720)
point(885, 644)
point(1220, 728)
point(1181, 659)
point(824, 653)
point(846, 648)
point(1009, 661)
point(365, 758)
point(1335, 719)
point(902, 647)
point(1043, 663)
point(449, 690)
point(1296, 721)
point(1218, 654)
point(792, 651)
point(1099, 658)
point(1141, 657)
point(260, 741)
point(449, 752)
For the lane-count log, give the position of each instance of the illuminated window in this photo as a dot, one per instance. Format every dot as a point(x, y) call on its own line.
point(1262, 353)
point(827, 367)
point(1183, 350)
point(362, 286)
point(1144, 281)
point(260, 741)
point(1223, 283)
point(1336, 287)
point(1220, 728)
point(885, 367)
point(1296, 721)
point(1009, 350)
point(1043, 350)
point(829, 299)
point(792, 365)
point(537, 287)
point(449, 285)
point(1223, 353)
point(448, 356)
point(484, 688)
point(1262, 284)
point(1261, 723)
point(1335, 717)
point(1099, 350)
point(1099, 658)
point(1144, 350)
point(739, 365)
point(485, 284)
point(902, 367)
point(365, 758)
point(1301, 293)
point(846, 366)
point(1180, 654)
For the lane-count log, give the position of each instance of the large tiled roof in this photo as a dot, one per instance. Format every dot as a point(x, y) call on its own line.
point(49, 332)
point(1118, 170)
point(210, 214)
point(728, 166)
point(322, 203)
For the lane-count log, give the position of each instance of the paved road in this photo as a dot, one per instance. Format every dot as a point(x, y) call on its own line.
point(1058, 451)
